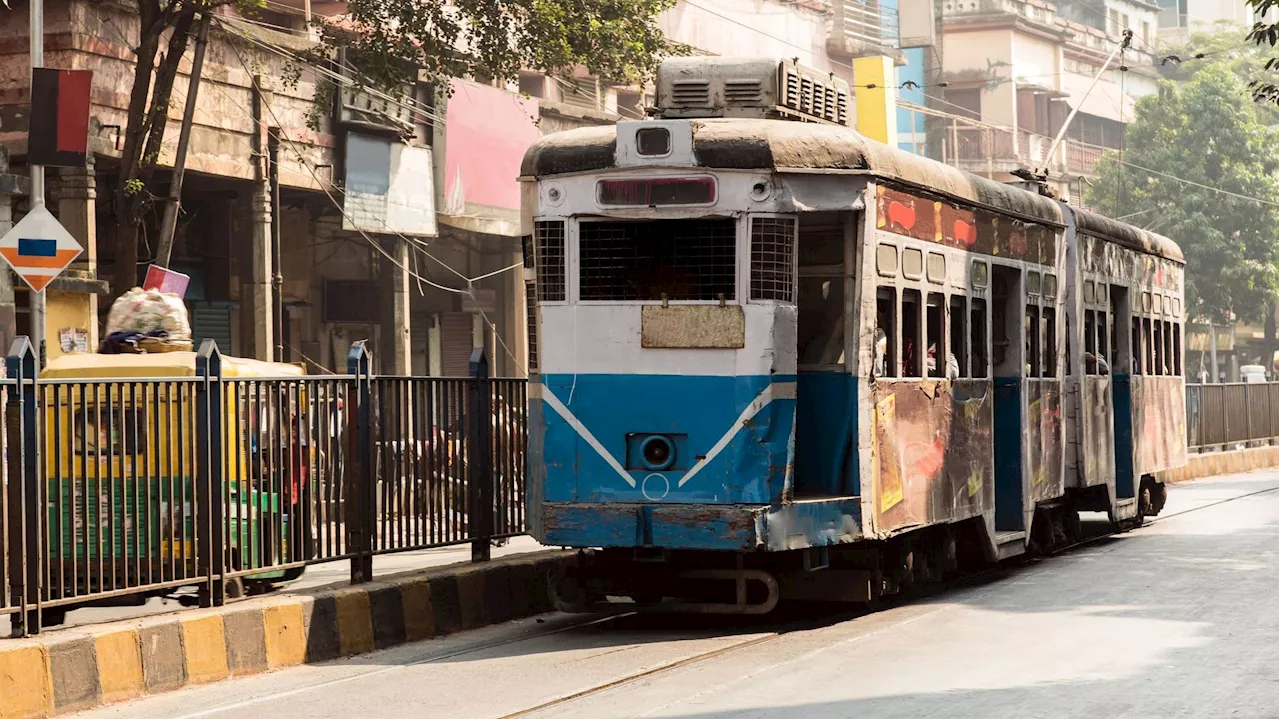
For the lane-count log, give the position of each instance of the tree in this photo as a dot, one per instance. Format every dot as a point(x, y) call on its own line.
point(1265, 33)
point(1221, 45)
point(1198, 159)
point(392, 41)
point(389, 41)
point(134, 193)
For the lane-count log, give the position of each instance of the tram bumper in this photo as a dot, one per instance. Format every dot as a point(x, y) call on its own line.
point(710, 527)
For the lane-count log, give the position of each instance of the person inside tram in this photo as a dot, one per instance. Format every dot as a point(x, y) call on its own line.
point(1096, 364)
point(882, 349)
point(953, 366)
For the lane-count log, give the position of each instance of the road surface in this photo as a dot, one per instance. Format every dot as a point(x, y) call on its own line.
point(1177, 619)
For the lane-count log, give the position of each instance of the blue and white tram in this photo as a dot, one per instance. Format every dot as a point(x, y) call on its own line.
point(776, 359)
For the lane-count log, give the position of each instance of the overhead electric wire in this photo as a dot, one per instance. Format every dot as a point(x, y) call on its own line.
point(469, 291)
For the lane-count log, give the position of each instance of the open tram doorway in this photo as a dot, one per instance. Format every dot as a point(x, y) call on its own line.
point(826, 399)
point(1124, 350)
point(1009, 371)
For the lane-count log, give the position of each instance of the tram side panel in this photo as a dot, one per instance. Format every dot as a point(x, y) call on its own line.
point(1042, 335)
point(928, 430)
point(1098, 360)
point(1159, 396)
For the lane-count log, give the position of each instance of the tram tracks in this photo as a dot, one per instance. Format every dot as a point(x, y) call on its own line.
point(972, 578)
point(622, 613)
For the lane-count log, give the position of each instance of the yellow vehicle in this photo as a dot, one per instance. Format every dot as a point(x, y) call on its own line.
point(121, 460)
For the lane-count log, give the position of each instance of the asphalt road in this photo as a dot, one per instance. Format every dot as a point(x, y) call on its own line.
point(1177, 619)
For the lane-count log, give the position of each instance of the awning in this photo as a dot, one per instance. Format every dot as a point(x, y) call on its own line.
point(1105, 100)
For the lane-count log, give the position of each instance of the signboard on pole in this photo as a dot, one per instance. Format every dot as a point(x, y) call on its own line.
point(39, 248)
point(59, 131)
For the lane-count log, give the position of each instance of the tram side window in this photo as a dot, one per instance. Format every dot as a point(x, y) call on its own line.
point(1090, 343)
point(885, 350)
point(911, 333)
point(1115, 338)
point(936, 357)
point(978, 337)
point(1049, 331)
point(1135, 346)
point(1147, 348)
point(958, 319)
point(1102, 367)
point(1032, 331)
point(1168, 349)
point(1177, 349)
point(1159, 342)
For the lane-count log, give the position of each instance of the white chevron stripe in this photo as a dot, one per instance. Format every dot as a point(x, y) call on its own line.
point(776, 390)
point(555, 403)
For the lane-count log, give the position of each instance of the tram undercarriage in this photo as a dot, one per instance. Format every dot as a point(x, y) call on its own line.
point(861, 573)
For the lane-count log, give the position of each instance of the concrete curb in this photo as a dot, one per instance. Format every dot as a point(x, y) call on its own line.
point(76, 669)
point(1212, 464)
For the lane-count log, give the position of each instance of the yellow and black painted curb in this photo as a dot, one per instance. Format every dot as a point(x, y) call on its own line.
point(1212, 464)
point(78, 668)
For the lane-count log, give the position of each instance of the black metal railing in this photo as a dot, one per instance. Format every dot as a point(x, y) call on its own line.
point(133, 487)
point(1222, 416)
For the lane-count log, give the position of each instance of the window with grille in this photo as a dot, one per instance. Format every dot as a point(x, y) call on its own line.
point(531, 314)
point(551, 258)
point(773, 241)
point(526, 251)
point(678, 259)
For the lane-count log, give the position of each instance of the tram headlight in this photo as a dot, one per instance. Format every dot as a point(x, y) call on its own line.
point(657, 453)
point(653, 141)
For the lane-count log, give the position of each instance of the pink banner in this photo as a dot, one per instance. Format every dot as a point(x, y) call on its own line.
point(487, 131)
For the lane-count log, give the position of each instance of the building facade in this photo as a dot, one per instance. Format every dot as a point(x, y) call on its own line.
point(1013, 72)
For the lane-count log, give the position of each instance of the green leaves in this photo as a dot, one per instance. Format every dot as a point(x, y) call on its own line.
point(1213, 159)
point(390, 41)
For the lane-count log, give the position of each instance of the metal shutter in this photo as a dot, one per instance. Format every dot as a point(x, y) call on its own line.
point(455, 344)
point(211, 320)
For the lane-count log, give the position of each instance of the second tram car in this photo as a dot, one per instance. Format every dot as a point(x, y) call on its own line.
point(776, 359)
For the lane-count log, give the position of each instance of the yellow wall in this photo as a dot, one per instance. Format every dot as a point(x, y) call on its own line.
point(63, 311)
point(878, 105)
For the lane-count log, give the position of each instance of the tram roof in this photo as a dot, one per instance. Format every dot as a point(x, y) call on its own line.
point(1127, 235)
point(781, 145)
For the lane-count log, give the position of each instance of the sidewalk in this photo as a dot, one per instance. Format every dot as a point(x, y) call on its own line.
point(87, 666)
point(319, 575)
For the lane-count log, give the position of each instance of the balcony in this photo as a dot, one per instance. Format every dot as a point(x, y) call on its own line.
point(863, 29)
point(993, 151)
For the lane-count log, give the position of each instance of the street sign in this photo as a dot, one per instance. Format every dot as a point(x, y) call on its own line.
point(39, 248)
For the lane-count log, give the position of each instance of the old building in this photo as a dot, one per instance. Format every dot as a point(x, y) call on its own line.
point(304, 226)
point(1015, 70)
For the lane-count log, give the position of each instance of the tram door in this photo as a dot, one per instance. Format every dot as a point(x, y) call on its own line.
point(1008, 359)
point(825, 397)
point(1125, 347)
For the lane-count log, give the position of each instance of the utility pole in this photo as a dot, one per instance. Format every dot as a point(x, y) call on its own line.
point(1124, 45)
point(169, 224)
point(36, 10)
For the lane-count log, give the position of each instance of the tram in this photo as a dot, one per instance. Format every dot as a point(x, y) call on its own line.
point(776, 359)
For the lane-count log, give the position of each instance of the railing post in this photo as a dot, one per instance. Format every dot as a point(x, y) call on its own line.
point(1248, 415)
point(211, 485)
point(1226, 419)
point(358, 477)
point(26, 550)
point(479, 458)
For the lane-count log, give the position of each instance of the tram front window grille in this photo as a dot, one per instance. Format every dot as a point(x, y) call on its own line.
point(689, 260)
point(773, 241)
point(550, 261)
